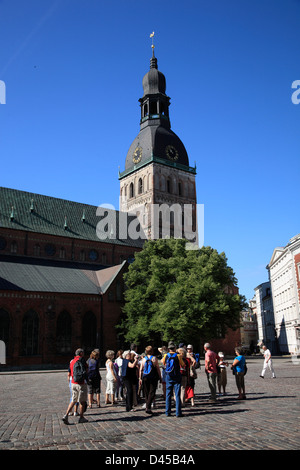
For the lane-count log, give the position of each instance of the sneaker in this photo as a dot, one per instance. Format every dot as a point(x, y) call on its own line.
point(75, 413)
point(82, 420)
point(65, 419)
point(262, 376)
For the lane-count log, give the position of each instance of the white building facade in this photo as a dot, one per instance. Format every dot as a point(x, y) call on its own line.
point(265, 317)
point(284, 275)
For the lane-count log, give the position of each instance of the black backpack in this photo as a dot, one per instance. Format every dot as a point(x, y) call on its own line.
point(79, 370)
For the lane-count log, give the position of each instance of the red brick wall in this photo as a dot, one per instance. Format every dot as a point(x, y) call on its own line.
point(227, 344)
point(26, 242)
point(48, 307)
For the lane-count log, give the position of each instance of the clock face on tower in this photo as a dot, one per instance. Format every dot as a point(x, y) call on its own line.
point(172, 153)
point(137, 155)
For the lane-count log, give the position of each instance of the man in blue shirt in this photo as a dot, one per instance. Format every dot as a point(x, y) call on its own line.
point(238, 366)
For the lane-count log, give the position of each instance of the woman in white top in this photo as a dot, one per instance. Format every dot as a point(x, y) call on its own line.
point(110, 377)
point(267, 363)
point(118, 369)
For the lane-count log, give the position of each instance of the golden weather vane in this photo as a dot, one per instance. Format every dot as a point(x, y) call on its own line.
point(152, 36)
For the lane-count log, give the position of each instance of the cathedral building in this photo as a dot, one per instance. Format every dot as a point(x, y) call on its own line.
point(62, 262)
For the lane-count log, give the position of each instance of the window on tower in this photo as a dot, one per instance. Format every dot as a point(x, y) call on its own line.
point(131, 190)
point(169, 189)
point(140, 186)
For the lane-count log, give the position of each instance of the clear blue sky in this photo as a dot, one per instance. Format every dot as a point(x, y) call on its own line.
point(73, 71)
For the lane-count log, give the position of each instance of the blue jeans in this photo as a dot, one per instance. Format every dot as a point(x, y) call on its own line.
point(172, 384)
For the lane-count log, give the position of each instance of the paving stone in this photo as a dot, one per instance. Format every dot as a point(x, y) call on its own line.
point(33, 404)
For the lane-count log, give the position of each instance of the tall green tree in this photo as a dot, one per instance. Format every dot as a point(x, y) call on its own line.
point(173, 293)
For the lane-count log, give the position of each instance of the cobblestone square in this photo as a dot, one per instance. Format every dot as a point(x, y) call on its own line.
point(33, 404)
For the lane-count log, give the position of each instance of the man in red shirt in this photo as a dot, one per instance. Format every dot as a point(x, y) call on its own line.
point(79, 388)
point(211, 361)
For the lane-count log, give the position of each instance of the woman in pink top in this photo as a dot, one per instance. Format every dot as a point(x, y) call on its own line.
point(211, 360)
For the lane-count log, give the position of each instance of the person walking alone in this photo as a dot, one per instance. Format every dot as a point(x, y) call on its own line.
point(267, 363)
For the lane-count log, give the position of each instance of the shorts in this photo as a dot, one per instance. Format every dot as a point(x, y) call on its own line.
point(79, 393)
point(94, 385)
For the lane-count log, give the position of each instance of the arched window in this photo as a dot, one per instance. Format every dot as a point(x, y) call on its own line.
point(180, 189)
point(64, 333)
point(140, 186)
point(4, 325)
point(62, 253)
point(131, 190)
point(30, 333)
point(153, 108)
point(89, 332)
point(169, 188)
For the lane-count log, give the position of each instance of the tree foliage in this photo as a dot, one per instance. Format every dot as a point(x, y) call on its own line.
point(179, 294)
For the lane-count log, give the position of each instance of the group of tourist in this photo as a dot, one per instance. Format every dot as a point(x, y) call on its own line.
point(129, 372)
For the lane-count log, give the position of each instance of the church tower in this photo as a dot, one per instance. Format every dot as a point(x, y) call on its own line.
point(158, 185)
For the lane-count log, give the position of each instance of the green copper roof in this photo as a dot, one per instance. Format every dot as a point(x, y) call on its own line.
point(32, 212)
